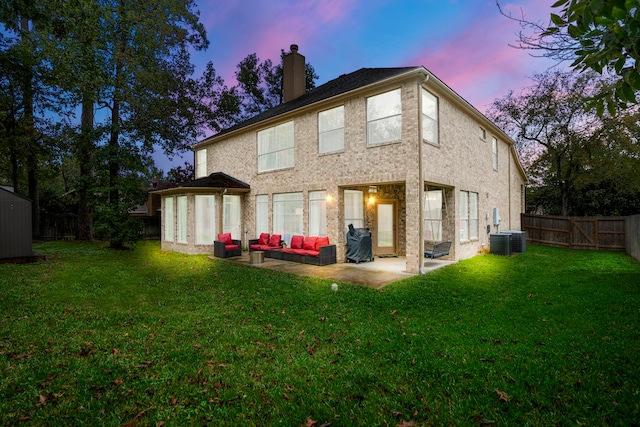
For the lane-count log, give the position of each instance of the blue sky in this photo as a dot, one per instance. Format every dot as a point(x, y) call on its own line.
point(463, 42)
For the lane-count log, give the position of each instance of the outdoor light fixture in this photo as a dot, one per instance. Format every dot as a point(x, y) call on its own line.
point(329, 199)
point(373, 189)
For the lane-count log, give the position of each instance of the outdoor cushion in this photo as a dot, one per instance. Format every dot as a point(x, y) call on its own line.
point(296, 242)
point(289, 250)
point(298, 251)
point(275, 240)
point(310, 243)
point(311, 253)
point(264, 239)
point(225, 238)
point(230, 247)
point(322, 241)
point(261, 247)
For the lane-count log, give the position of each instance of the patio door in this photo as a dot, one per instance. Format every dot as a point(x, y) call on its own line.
point(385, 232)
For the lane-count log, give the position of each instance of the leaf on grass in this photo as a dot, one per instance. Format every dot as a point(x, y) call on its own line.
point(502, 396)
point(118, 382)
point(41, 401)
point(488, 360)
point(310, 422)
point(396, 414)
point(159, 423)
point(311, 349)
point(393, 313)
point(406, 424)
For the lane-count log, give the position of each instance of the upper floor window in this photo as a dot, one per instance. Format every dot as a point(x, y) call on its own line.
point(494, 152)
point(331, 130)
point(201, 163)
point(483, 134)
point(384, 117)
point(276, 147)
point(429, 117)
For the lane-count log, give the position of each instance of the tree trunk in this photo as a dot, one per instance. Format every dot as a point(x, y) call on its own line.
point(84, 153)
point(32, 161)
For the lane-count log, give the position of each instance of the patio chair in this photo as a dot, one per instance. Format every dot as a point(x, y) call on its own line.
point(225, 247)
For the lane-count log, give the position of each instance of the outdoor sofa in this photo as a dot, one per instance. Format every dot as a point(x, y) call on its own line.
point(307, 250)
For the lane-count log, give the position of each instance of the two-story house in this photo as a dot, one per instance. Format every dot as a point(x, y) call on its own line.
point(394, 150)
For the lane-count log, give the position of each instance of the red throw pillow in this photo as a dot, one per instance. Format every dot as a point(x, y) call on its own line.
point(264, 239)
point(296, 242)
point(322, 241)
point(225, 238)
point(310, 243)
point(275, 240)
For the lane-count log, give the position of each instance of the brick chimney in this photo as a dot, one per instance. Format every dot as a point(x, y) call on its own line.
point(293, 75)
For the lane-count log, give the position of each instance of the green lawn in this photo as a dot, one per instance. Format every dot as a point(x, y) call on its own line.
point(145, 337)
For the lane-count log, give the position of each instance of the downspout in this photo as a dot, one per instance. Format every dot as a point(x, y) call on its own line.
point(509, 171)
point(421, 177)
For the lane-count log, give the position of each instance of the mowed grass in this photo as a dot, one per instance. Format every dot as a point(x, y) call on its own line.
point(152, 338)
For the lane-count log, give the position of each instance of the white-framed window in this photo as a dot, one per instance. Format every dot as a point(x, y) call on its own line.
point(331, 130)
point(231, 216)
point(317, 213)
point(483, 134)
point(464, 216)
point(468, 215)
point(276, 147)
point(205, 219)
point(169, 221)
point(494, 152)
point(181, 218)
point(262, 214)
point(353, 209)
point(288, 213)
point(201, 163)
point(433, 215)
point(429, 117)
point(384, 117)
point(473, 216)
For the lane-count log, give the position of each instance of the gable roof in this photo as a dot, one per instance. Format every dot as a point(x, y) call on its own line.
point(343, 84)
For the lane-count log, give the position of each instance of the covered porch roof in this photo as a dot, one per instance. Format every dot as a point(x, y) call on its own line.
point(216, 182)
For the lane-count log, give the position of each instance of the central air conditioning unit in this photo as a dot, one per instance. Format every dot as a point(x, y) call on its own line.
point(518, 240)
point(500, 244)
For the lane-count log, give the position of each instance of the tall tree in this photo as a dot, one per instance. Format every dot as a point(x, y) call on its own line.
point(595, 35)
point(260, 84)
point(26, 96)
point(565, 148)
point(147, 92)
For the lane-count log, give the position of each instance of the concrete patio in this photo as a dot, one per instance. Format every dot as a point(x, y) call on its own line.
point(376, 274)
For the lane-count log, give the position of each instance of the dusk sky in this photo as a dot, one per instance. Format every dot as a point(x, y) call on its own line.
point(465, 43)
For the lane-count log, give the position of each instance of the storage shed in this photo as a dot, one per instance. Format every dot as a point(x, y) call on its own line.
point(15, 227)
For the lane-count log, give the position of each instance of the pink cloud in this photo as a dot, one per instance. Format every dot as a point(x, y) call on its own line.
point(265, 27)
point(478, 63)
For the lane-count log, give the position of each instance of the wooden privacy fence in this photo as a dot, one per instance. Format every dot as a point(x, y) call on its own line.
point(576, 232)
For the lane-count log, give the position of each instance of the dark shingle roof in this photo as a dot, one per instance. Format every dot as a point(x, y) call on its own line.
point(216, 180)
point(343, 84)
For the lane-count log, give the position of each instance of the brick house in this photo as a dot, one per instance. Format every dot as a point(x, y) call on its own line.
point(394, 150)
